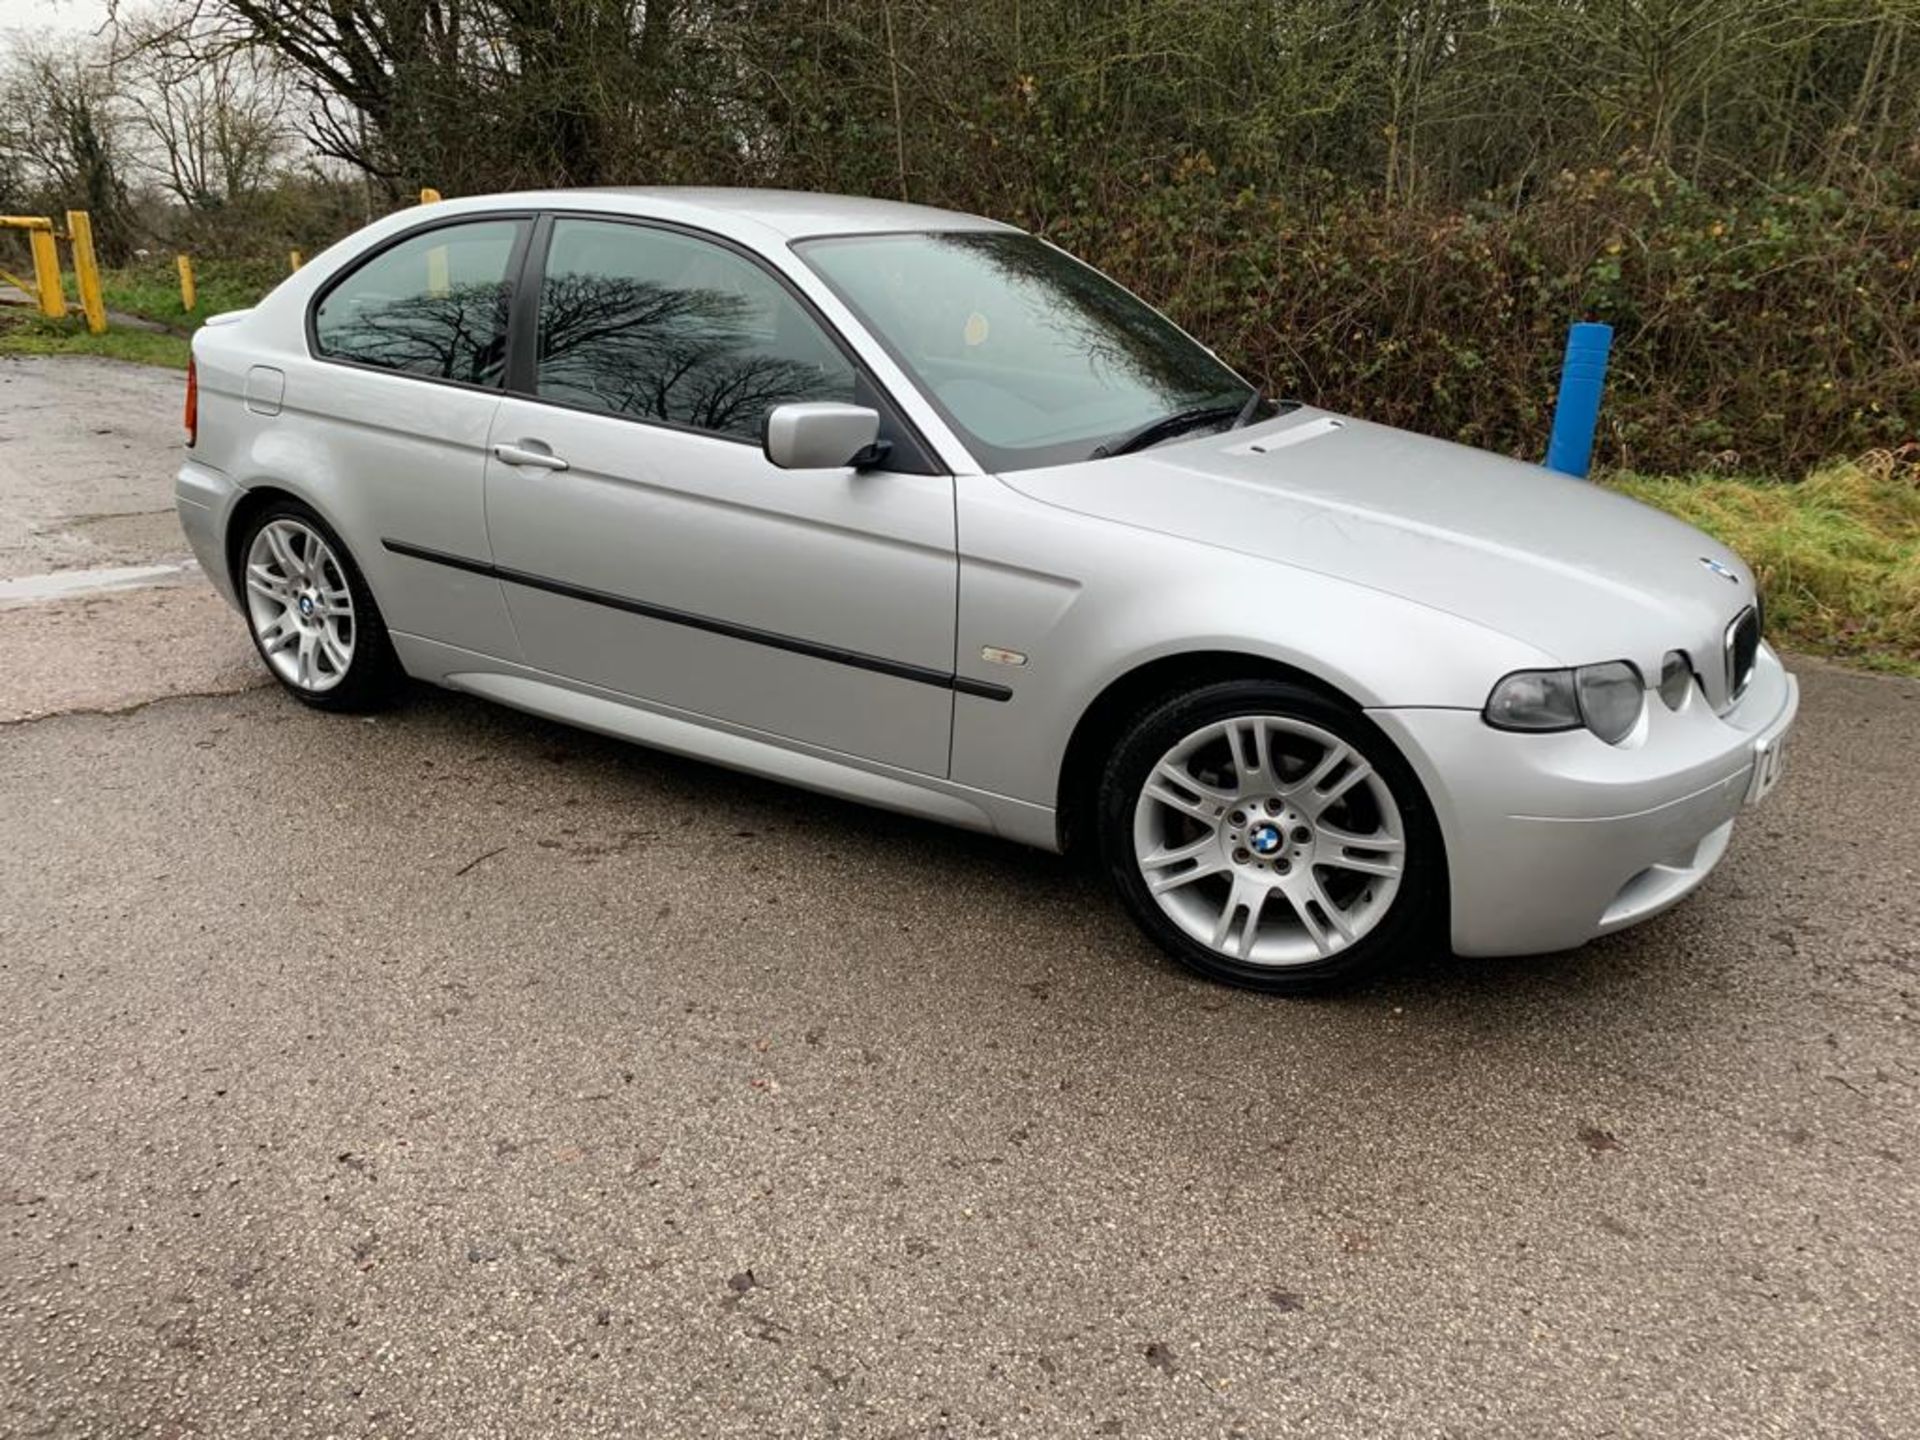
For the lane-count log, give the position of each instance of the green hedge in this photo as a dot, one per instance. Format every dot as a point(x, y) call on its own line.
point(1765, 333)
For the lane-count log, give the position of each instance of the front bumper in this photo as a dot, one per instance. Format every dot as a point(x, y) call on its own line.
point(1555, 839)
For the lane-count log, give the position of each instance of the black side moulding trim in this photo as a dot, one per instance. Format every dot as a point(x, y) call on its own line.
point(773, 640)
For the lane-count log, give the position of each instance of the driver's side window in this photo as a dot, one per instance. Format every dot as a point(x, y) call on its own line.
point(657, 325)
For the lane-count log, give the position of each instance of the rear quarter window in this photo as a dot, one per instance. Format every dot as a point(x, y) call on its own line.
point(434, 305)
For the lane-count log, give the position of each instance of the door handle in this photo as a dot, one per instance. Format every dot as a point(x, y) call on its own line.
point(520, 455)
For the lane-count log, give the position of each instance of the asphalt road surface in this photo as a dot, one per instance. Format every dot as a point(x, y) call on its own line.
point(455, 1074)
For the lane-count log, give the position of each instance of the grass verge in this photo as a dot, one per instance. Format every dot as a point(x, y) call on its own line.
point(150, 291)
point(1838, 553)
point(30, 334)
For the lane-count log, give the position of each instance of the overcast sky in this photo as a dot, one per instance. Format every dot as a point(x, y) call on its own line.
point(76, 15)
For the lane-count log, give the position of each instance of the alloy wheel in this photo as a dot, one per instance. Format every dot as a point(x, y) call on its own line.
point(1269, 840)
point(300, 605)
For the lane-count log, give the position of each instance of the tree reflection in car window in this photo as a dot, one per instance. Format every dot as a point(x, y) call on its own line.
point(433, 305)
point(661, 326)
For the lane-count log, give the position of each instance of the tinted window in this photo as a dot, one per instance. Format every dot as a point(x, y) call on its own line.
point(435, 304)
point(662, 326)
point(1032, 357)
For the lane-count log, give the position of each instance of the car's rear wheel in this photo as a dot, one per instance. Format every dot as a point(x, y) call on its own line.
point(1268, 836)
point(312, 617)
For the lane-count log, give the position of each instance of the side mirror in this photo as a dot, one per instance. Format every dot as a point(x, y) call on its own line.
point(822, 435)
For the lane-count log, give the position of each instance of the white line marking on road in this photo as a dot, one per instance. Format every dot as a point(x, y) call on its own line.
point(68, 584)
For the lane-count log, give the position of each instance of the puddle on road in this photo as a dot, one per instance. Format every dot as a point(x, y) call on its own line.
point(69, 584)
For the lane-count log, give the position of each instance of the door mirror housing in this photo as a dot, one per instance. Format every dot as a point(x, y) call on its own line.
point(823, 435)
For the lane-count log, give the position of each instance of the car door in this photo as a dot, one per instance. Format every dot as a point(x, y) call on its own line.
point(390, 418)
point(648, 546)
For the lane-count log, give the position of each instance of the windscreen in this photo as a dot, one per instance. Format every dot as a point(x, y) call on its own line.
point(1033, 358)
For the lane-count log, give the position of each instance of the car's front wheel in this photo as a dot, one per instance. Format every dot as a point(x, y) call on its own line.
point(312, 617)
point(1268, 836)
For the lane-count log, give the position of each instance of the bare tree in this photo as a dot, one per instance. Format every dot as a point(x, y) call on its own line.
point(217, 118)
point(63, 130)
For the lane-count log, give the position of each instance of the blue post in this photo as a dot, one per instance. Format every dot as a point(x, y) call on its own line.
point(1582, 374)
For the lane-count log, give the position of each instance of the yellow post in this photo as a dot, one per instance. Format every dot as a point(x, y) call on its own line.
point(186, 281)
point(429, 195)
point(46, 272)
point(86, 270)
point(293, 261)
point(46, 262)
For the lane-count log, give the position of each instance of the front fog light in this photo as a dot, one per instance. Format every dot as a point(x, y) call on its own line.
point(1611, 697)
point(1676, 678)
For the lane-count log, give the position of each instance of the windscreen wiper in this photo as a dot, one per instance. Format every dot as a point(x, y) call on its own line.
point(1167, 426)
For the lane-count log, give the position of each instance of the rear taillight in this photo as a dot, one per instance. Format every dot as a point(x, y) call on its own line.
point(192, 416)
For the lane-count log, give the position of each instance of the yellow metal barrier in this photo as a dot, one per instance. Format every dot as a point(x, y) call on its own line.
point(186, 281)
point(46, 272)
point(294, 262)
point(429, 195)
point(86, 270)
point(46, 263)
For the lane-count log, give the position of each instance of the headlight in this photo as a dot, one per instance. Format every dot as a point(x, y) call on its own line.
point(1534, 700)
point(1611, 698)
point(1606, 698)
point(1676, 678)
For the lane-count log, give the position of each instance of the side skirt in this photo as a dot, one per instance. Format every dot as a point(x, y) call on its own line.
point(684, 733)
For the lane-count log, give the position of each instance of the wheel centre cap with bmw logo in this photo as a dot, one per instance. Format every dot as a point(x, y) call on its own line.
point(1263, 839)
point(306, 606)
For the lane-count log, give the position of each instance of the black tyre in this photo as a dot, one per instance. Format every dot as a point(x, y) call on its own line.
point(311, 615)
point(1270, 837)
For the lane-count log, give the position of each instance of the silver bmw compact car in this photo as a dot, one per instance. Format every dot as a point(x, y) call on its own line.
point(913, 508)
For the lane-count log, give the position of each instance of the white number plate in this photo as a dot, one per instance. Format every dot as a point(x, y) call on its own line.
point(1769, 761)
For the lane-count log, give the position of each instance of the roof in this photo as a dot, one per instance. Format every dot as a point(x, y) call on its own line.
point(793, 214)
